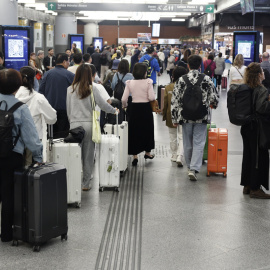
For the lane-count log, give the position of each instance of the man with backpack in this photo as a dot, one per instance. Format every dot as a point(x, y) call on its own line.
point(105, 59)
point(192, 96)
point(151, 63)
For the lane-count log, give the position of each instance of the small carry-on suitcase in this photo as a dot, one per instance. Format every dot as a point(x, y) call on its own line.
point(109, 160)
point(224, 83)
point(217, 151)
point(69, 155)
point(162, 93)
point(40, 205)
point(205, 151)
point(123, 134)
point(159, 95)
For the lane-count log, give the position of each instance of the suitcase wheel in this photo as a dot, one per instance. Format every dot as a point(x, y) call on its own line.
point(101, 189)
point(36, 248)
point(208, 174)
point(78, 205)
point(116, 189)
point(15, 243)
point(224, 174)
point(64, 237)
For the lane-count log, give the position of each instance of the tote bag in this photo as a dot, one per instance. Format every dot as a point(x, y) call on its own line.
point(96, 132)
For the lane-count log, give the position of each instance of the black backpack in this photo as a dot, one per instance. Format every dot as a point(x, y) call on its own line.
point(103, 59)
point(148, 64)
point(266, 81)
point(193, 108)
point(208, 71)
point(119, 88)
point(6, 126)
point(240, 104)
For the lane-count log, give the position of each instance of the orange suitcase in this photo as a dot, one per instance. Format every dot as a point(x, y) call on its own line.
point(217, 151)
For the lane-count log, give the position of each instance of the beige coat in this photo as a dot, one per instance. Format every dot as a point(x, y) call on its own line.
point(167, 116)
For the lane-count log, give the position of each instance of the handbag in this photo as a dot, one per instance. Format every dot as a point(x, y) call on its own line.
point(154, 106)
point(96, 132)
point(263, 132)
point(75, 135)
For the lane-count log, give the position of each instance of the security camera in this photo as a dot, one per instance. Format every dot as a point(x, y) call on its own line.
point(75, 20)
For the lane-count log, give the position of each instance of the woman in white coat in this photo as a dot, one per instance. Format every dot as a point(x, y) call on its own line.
point(40, 109)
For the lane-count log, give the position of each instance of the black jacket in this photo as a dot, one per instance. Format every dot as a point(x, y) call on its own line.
point(90, 50)
point(46, 62)
point(96, 59)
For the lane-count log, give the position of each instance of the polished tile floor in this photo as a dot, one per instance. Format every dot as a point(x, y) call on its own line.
point(160, 220)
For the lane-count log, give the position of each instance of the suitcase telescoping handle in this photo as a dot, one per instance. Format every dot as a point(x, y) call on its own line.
point(117, 129)
point(50, 135)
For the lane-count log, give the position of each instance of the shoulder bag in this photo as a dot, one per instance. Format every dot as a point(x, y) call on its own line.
point(96, 132)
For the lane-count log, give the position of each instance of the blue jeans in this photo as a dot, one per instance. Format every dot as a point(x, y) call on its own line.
point(194, 136)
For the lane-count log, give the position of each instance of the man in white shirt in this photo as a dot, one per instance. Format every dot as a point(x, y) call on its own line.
point(77, 58)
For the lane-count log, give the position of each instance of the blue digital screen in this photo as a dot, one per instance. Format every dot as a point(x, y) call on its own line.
point(16, 48)
point(245, 45)
point(98, 43)
point(78, 40)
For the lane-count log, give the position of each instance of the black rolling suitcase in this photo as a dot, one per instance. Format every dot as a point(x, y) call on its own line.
point(40, 205)
point(159, 95)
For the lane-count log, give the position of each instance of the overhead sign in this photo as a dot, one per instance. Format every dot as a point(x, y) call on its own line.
point(55, 6)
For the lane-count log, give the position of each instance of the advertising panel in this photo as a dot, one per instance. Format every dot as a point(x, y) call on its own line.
point(78, 40)
point(38, 36)
point(16, 47)
point(49, 36)
point(144, 37)
point(98, 42)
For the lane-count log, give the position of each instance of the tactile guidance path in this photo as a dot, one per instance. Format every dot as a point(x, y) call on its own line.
point(121, 242)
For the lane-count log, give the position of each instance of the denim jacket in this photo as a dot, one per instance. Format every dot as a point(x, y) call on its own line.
point(24, 123)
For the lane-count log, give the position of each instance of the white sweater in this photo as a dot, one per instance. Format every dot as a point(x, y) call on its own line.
point(235, 75)
point(41, 111)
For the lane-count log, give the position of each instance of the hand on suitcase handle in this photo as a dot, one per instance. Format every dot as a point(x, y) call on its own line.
point(117, 111)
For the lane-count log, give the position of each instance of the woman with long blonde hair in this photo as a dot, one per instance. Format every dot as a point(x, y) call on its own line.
point(237, 70)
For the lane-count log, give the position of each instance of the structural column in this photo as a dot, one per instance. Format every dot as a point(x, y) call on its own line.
point(9, 12)
point(65, 24)
point(90, 30)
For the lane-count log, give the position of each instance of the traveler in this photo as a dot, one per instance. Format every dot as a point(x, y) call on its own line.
point(122, 75)
point(77, 58)
point(210, 66)
point(135, 57)
point(197, 52)
point(170, 64)
point(105, 58)
point(90, 49)
point(167, 54)
point(88, 60)
point(68, 52)
point(141, 123)
point(54, 87)
point(10, 82)
point(254, 177)
point(193, 118)
point(265, 61)
point(220, 67)
point(39, 61)
point(96, 60)
point(49, 60)
point(161, 57)
point(176, 138)
point(74, 49)
point(79, 111)
point(237, 70)
point(153, 64)
point(109, 78)
point(42, 112)
point(128, 57)
point(227, 60)
point(32, 63)
point(183, 62)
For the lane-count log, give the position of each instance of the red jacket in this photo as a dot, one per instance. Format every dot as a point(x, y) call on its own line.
point(212, 67)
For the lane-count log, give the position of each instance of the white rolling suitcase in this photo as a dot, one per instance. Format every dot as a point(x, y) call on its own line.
point(123, 134)
point(69, 155)
point(109, 160)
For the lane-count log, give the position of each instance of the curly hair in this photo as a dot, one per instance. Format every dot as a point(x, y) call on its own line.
point(238, 61)
point(251, 76)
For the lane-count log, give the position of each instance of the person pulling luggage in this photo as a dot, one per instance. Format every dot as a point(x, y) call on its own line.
point(17, 132)
point(192, 96)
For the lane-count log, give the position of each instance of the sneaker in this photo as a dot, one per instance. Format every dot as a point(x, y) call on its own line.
point(179, 161)
point(87, 188)
point(173, 158)
point(246, 190)
point(259, 194)
point(192, 175)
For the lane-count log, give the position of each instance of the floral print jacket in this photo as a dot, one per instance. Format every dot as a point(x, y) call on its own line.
point(209, 95)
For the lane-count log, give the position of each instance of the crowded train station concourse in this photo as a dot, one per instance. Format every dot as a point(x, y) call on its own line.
point(134, 135)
